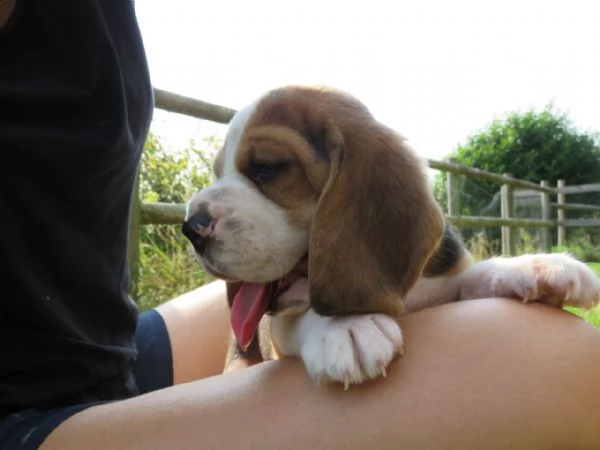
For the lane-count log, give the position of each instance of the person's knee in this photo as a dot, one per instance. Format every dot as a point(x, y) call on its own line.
point(503, 339)
point(490, 361)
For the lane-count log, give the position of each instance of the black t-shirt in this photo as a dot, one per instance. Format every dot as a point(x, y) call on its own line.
point(75, 107)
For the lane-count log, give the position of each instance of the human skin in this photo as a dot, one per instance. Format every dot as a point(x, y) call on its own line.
point(486, 373)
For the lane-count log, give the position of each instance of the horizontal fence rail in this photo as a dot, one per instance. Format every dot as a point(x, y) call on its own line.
point(579, 189)
point(459, 169)
point(191, 107)
point(163, 213)
point(577, 206)
point(477, 221)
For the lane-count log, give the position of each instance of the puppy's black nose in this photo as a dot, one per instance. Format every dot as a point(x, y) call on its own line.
point(198, 229)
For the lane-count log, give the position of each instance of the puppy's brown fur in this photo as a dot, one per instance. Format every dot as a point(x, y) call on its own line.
point(363, 188)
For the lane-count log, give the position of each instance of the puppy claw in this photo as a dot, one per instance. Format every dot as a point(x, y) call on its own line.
point(382, 371)
point(528, 295)
point(569, 293)
point(318, 379)
point(346, 381)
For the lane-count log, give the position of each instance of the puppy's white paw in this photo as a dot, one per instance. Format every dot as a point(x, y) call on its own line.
point(556, 279)
point(349, 349)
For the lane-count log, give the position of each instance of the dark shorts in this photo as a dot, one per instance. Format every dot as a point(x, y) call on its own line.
point(27, 430)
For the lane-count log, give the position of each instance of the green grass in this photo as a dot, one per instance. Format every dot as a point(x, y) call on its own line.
point(168, 267)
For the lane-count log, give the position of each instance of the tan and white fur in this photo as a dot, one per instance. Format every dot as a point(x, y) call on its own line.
point(308, 174)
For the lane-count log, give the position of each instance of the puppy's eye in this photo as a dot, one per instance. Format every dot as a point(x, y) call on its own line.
point(262, 172)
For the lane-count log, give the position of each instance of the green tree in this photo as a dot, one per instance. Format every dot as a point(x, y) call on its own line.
point(532, 145)
point(171, 176)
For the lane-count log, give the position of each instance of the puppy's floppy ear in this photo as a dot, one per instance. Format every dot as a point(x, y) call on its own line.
point(376, 223)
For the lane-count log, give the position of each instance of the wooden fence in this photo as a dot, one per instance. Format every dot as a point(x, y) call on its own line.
point(552, 214)
point(527, 197)
point(162, 213)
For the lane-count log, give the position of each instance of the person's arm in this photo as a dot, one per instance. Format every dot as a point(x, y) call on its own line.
point(6, 9)
point(489, 373)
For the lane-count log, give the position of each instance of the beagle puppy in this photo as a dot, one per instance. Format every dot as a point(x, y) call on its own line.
point(322, 223)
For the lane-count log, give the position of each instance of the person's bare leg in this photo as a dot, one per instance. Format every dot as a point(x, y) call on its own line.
point(491, 374)
point(197, 323)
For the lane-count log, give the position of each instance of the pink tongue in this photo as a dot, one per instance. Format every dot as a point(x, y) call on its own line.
point(249, 305)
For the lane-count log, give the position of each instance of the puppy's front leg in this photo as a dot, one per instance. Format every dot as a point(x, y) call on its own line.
point(555, 279)
point(346, 349)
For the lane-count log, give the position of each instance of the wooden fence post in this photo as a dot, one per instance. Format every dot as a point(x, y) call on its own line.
point(545, 210)
point(560, 215)
point(453, 194)
point(506, 210)
point(133, 250)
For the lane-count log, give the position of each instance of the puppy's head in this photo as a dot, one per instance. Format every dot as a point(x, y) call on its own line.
point(307, 178)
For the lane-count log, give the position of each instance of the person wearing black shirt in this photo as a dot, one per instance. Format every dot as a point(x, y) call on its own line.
point(81, 368)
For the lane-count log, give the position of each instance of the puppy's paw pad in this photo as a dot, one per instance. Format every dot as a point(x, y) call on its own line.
point(351, 349)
